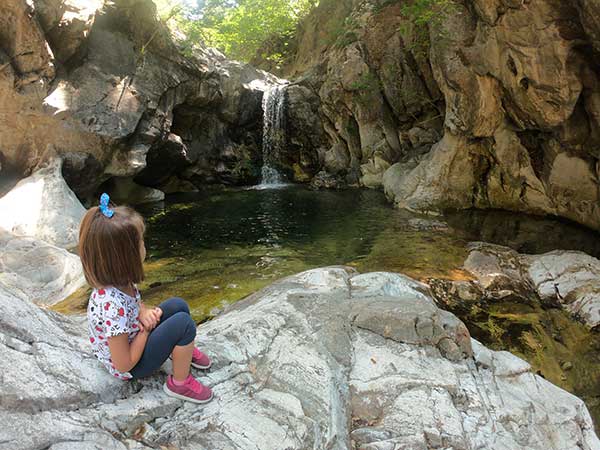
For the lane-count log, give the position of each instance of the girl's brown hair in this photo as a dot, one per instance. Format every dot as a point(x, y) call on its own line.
point(110, 248)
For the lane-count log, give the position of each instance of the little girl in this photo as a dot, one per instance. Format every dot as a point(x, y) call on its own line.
point(130, 339)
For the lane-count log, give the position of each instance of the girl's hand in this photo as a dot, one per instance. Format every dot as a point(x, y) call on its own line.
point(149, 318)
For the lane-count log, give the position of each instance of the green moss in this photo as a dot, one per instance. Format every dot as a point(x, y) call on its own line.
point(546, 338)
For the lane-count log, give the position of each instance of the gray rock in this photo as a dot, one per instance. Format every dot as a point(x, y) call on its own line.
point(572, 278)
point(43, 206)
point(41, 348)
point(38, 271)
point(297, 365)
point(123, 94)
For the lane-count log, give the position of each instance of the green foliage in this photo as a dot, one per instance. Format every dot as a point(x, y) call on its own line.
point(346, 39)
point(342, 34)
point(239, 27)
point(426, 12)
point(423, 17)
point(367, 83)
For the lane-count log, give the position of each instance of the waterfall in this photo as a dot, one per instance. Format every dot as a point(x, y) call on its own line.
point(273, 133)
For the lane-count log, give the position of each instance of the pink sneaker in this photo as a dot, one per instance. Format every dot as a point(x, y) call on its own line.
point(191, 391)
point(200, 360)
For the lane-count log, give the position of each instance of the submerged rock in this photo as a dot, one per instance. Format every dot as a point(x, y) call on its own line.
point(568, 278)
point(326, 359)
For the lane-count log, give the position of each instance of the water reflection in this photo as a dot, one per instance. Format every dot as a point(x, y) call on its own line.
point(525, 233)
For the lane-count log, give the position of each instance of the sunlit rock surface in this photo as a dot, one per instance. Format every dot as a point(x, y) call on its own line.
point(37, 271)
point(44, 207)
point(304, 363)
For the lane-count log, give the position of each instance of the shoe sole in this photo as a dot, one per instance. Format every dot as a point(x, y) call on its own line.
point(170, 393)
point(198, 366)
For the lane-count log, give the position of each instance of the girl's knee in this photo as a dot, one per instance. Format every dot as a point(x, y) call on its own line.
point(186, 325)
point(177, 304)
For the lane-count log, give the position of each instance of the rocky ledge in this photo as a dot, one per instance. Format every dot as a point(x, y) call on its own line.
point(326, 359)
point(569, 279)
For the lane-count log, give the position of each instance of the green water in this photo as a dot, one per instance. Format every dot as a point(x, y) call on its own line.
point(215, 248)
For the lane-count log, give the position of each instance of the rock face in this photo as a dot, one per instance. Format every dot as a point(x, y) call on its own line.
point(493, 104)
point(125, 190)
point(324, 359)
point(42, 206)
point(105, 86)
point(568, 278)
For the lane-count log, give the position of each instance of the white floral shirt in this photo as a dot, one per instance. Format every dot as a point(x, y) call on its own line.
point(111, 312)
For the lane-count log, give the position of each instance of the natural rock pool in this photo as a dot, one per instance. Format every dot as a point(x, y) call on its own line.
point(214, 248)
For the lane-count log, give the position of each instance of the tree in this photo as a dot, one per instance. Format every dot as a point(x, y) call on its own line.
point(238, 27)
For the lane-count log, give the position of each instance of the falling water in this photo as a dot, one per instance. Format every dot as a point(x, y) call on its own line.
point(273, 133)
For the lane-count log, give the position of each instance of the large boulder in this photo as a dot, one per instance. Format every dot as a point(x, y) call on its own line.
point(304, 363)
point(44, 207)
point(42, 348)
point(37, 271)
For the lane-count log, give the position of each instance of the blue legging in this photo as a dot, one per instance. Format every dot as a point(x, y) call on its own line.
point(176, 328)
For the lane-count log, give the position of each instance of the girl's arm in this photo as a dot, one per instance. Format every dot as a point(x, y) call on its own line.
point(125, 355)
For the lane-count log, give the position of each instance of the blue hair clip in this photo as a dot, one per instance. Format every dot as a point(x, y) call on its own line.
point(104, 209)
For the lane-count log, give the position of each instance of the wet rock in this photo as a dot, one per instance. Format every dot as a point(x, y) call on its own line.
point(324, 180)
point(566, 278)
point(306, 136)
point(175, 185)
point(125, 190)
point(427, 225)
point(291, 363)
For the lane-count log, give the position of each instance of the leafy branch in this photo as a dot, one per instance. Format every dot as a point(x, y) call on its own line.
point(423, 17)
